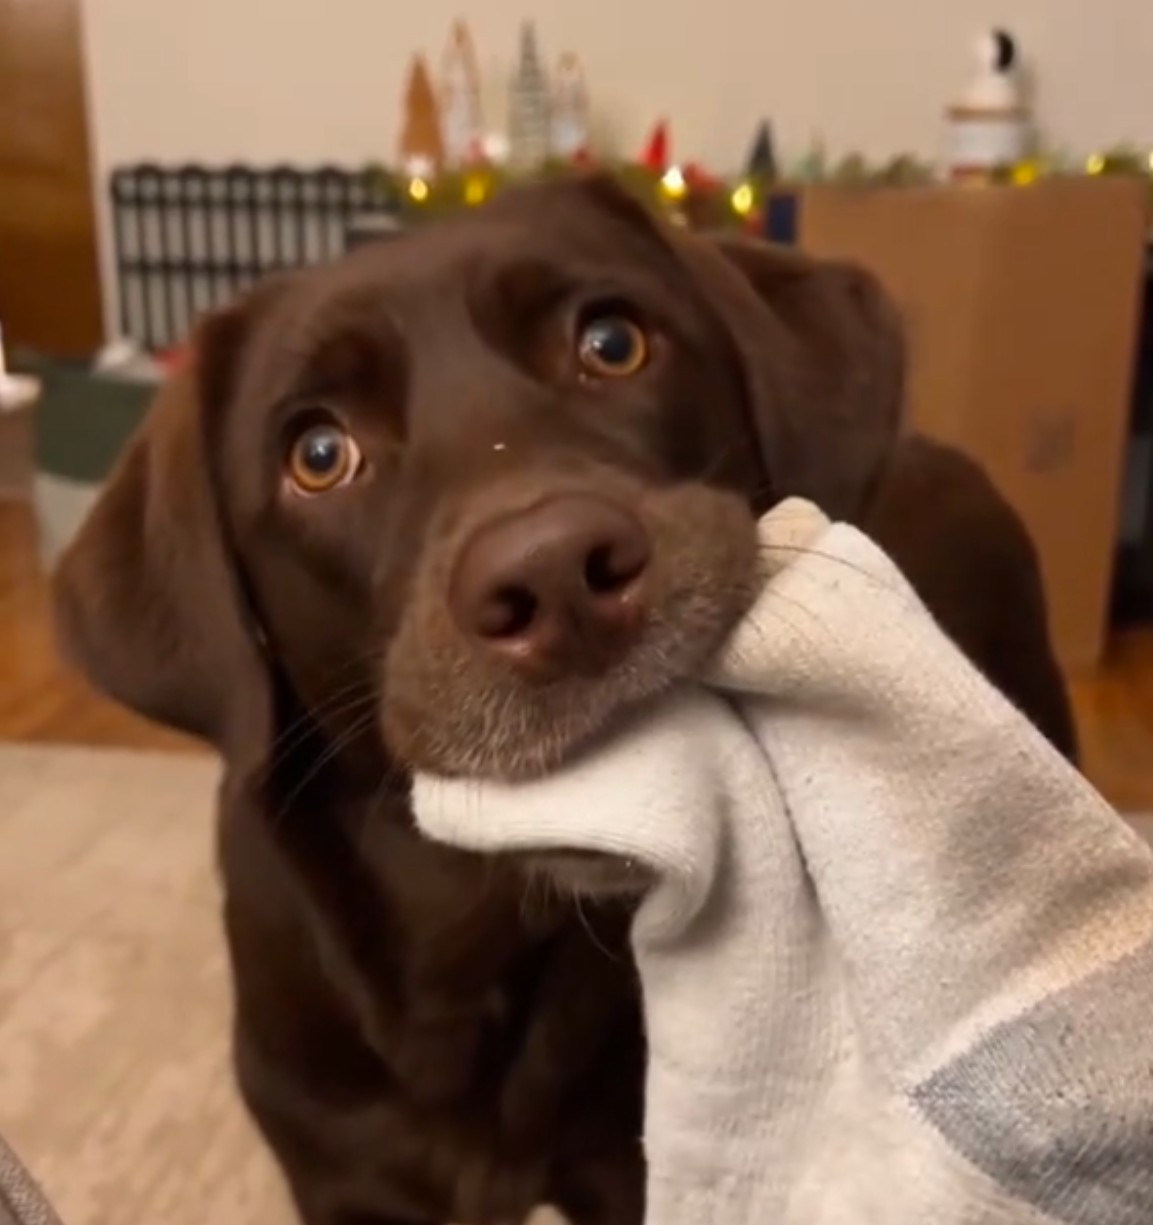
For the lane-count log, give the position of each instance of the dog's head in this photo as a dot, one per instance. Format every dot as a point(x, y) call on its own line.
point(462, 497)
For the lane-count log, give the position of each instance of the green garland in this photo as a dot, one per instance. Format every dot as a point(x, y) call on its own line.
point(697, 204)
point(700, 201)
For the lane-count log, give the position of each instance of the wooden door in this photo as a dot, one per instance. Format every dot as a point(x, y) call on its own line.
point(49, 266)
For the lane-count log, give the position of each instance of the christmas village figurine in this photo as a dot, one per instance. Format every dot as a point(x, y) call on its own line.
point(421, 145)
point(990, 126)
point(447, 157)
point(461, 119)
point(570, 111)
point(655, 154)
point(813, 166)
point(528, 126)
point(761, 166)
point(851, 170)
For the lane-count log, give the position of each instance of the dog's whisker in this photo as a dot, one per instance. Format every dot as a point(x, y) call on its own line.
point(583, 919)
point(715, 463)
point(328, 754)
point(354, 704)
point(368, 660)
point(336, 705)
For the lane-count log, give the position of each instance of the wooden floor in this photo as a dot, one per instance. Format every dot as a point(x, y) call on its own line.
point(40, 699)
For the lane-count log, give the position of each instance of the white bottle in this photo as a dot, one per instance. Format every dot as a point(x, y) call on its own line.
point(989, 126)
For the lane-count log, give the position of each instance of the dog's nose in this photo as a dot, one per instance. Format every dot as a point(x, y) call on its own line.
point(556, 589)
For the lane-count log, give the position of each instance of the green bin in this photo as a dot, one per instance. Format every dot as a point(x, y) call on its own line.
point(83, 420)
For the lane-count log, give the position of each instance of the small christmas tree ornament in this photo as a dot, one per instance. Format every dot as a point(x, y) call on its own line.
point(655, 154)
point(570, 111)
point(990, 127)
point(528, 122)
point(461, 119)
point(421, 147)
point(851, 171)
point(813, 167)
point(762, 164)
point(906, 170)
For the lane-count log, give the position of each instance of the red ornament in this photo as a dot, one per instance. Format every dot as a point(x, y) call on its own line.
point(655, 155)
point(698, 178)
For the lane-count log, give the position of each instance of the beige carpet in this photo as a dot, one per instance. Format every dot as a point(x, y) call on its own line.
point(114, 1085)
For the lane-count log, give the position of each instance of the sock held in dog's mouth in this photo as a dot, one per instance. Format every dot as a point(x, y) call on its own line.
point(574, 825)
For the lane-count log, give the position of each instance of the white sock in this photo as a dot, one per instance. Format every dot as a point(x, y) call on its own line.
point(898, 964)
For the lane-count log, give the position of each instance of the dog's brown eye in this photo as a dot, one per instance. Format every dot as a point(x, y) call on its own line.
point(612, 346)
point(323, 458)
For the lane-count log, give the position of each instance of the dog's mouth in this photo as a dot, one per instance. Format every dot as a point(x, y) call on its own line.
point(460, 705)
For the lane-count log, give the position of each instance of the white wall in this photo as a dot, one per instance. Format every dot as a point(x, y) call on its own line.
point(322, 79)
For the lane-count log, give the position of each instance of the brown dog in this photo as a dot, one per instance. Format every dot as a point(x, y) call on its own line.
point(454, 503)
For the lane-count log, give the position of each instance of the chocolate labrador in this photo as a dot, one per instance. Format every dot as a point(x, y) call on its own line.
point(456, 502)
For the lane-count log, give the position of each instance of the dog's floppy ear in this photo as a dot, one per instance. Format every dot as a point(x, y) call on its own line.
point(820, 346)
point(823, 358)
point(147, 600)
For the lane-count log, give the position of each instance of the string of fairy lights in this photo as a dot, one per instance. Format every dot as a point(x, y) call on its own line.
point(694, 197)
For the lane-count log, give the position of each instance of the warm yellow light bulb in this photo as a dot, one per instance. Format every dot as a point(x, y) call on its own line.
point(742, 200)
point(418, 190)
point(673, 183)
point(1095, 164)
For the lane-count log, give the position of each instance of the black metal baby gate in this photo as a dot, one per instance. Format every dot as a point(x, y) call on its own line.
point(188, 238)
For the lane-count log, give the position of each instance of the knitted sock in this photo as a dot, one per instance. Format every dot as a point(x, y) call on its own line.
point(21, 1200)
point(897, 964)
